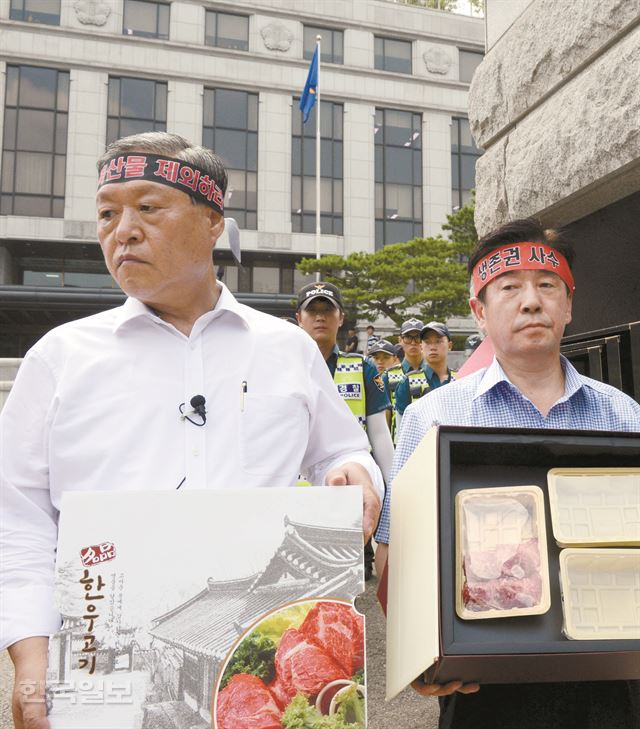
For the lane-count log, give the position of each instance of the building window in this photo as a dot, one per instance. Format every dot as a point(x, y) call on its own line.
point(225, 30)
point(36, 11)
point(230, 128)
point(469, 61)
point(392, 55)
point(261, 274)
point(398, 173)
point(464, 154)
point(135, 105)
point(35, 142)
point(81, 279)
point(303, 169)
point(146, 18)
point(331, 48)
point(47, 263)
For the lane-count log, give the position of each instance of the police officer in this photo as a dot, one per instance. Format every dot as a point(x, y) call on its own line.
point(410, 341)
point(320, 313)
point(383, 354)
point(435, 347)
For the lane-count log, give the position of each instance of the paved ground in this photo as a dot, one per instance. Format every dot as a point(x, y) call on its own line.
point(6, 682)
point(406, 711)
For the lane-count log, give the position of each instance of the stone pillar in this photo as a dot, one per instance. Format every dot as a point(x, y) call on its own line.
point(186, 23)
point(274, 162)
point(555, 106)
point(88, 93)
point(359, 177)
point(6, 268)
point(358, 48)
point(3, 83)
point(436, 171)
point(184, 109)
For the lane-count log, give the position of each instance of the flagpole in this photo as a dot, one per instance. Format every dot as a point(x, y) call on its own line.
point(318, 39)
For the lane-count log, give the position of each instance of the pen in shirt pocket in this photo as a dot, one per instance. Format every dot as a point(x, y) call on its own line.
point(243, 392)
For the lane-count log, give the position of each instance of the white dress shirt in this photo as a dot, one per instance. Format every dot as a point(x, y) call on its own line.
point(95, 407)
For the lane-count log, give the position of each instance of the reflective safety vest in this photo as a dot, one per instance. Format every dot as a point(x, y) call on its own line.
point(349, 379)
point(395, 375)
point(418, 384)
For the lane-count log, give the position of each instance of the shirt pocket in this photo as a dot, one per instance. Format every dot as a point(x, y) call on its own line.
point(274, 430)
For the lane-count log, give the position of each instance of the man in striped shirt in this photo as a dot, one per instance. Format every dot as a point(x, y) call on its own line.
point(524, 290)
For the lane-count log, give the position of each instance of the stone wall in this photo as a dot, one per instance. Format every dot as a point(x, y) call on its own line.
point(556, 104)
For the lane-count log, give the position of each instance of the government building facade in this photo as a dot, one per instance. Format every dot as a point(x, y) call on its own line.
point(397, 154)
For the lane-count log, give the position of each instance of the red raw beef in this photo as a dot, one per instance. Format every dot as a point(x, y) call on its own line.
point(280, 693)
point(339, 631)
point(302, 667)
point(504, 593)
point(515, 583)
point(246, 703)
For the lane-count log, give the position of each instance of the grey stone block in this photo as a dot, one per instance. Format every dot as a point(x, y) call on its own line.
point(544, 47)
point(573, 145)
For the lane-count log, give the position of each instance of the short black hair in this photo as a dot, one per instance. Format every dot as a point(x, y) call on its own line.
point(521, 231)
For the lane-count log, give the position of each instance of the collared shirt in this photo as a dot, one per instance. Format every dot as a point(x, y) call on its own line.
point(95, 407)
point(488, 399)
point(403, 392)
point(375, 392)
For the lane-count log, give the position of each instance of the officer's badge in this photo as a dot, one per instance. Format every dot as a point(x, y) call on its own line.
point(379, 382)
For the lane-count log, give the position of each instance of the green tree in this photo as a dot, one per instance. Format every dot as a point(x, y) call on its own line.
point(426, 276)
point(461, 227)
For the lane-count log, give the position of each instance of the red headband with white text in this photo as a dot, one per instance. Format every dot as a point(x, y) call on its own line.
point(168, 171)
point(521, 257)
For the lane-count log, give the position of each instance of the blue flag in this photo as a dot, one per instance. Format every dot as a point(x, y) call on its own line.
point(308, 98)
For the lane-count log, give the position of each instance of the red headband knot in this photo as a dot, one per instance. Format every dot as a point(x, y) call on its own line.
point(521, 257)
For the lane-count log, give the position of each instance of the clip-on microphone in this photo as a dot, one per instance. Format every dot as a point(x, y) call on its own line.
point(197, 402)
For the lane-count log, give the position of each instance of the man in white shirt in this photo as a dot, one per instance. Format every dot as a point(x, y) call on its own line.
point(150, 396)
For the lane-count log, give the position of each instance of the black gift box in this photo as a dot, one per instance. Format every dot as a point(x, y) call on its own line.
point(424, 632)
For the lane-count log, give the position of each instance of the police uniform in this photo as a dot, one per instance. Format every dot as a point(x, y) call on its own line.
point(359, 384)
point(417, 383)
point(392, 379)
point(362, 388)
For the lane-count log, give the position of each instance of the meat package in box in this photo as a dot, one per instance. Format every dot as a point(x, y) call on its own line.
point(209, 609)
point(426, 635)
point(501, 553)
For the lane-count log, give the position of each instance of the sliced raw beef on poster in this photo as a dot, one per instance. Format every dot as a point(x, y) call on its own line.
point(302, 667)
point(246, 703)
point(339, 631)
point(280, 693)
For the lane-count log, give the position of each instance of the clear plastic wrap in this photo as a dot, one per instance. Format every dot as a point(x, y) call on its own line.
point(502, 567)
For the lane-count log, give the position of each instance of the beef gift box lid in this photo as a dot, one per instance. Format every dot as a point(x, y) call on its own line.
point(425, 636)
point(212, 608)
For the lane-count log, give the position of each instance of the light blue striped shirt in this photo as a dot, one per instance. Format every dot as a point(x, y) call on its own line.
point(488, 399)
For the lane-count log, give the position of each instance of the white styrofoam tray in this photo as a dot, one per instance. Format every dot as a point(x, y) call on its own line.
point(600, 593)
point(595, 506)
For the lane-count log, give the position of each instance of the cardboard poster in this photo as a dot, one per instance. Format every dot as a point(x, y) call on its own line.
point(209, 609)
